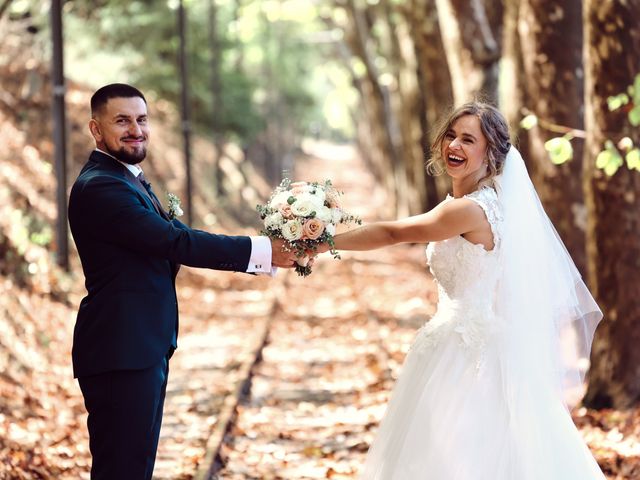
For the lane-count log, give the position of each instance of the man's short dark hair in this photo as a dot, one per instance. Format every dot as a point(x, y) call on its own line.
point(114, 90)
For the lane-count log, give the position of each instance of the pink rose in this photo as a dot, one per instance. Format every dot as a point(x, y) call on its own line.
point(312, 229)
point(285, 210)
point(298, 187)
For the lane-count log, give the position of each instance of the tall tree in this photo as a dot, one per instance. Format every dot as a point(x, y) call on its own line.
point(406, 107)
point(511, 81)
point(551, 40)
point(472, 46)
point(612, 43)
point(216, 94)
point(434, 80)
point(375, 133)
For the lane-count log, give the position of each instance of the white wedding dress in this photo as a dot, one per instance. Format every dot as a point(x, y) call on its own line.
point(453, 414)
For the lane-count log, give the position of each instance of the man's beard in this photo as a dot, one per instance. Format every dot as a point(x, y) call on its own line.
point(137, 156)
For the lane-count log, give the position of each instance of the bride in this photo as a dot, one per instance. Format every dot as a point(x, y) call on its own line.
point(486, 386)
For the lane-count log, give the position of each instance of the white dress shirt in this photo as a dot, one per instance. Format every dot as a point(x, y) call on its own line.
point(260, 259)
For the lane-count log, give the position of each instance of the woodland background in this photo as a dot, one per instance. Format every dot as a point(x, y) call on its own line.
point(265, 77)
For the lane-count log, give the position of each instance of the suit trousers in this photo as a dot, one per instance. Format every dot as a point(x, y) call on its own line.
point(125, 414)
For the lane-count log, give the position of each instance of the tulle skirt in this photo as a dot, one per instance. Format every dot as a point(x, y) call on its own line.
point(457, 414)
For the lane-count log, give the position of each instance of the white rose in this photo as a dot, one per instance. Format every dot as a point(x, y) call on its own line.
point(336, 214)
point(292, 230)
point(331, 229)
point(315, 199)
point(324, 214)
point(319, 194)
point(274, 220)
point(303, 207)
point(280, 199)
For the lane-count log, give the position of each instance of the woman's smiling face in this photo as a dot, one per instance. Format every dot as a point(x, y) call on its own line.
point(464, 149)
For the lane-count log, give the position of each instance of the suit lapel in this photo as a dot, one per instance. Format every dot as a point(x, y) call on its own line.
point(112, 165)
point(152, 199)
point(158, 204)
point(155, 203)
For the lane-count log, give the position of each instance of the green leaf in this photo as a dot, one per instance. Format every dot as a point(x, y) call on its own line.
point(609, 159)
point(603, 159)
point(42, 238)
point(529, 122)
point(616, 101)
point(611, 168)
point(633, 159)
point(560, 150)
point(634, 115)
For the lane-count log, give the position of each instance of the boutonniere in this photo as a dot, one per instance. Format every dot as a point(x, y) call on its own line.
point(175, 210)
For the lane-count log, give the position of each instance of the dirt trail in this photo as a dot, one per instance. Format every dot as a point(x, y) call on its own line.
point(333, 350)
point(335, 340)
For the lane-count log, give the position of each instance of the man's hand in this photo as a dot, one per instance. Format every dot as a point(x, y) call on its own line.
point(281, 256)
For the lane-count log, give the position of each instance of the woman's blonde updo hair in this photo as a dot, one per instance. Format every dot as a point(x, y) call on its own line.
point(494, 128)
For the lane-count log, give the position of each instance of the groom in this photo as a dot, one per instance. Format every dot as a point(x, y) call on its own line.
point(130, 249)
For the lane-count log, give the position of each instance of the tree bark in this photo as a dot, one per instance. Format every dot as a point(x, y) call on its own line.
point(612, 40)
point(551, 40)
point(434, 81)
point(374, 96)
point(472, 49)
point(216, 95)
point(407, 110)
point(511, 82)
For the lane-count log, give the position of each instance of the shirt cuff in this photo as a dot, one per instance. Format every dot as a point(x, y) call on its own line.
point(260, 259)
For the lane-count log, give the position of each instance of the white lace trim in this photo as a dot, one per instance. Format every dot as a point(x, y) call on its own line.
point(487, 198)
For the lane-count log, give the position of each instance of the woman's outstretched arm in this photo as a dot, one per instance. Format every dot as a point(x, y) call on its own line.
point(456, 217)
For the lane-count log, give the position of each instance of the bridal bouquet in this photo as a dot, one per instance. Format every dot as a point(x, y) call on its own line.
point(305, 215)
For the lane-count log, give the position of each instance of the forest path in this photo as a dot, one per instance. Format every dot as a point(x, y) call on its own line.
point(334, 348)
point(333, 343)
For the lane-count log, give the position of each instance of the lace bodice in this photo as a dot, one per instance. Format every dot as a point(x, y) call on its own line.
point(466, 272)
point(466, 275)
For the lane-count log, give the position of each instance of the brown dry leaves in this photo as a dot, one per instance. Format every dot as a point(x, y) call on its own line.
point(325, 377)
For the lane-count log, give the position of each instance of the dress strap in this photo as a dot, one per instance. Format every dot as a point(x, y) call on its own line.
point(487, 198)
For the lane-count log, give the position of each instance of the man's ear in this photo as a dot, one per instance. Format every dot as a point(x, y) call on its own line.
point(94, 128)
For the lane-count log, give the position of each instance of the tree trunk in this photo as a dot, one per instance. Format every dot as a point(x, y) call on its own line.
point(511, 81)
point(434, 81)
point(406, 103)
point(374, 96)
point(472, 50)
point(612, 40)
point(551, 41)
point(216, 95)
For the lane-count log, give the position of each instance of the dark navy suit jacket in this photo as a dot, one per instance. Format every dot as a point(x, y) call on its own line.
point(129, 253)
